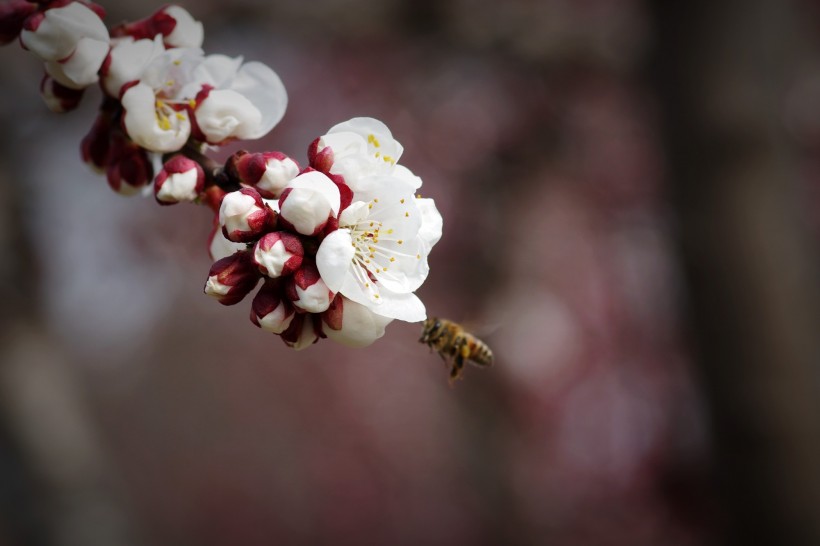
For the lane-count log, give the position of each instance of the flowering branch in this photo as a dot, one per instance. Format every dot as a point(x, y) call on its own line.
point(339, 246)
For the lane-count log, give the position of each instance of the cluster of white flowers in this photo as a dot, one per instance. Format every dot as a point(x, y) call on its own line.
point(340, 246)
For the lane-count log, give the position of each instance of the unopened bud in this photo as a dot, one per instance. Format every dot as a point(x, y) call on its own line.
point(96, 145)
point(307, 290)
point(243, 215)
point(278, 253)
point(129, 167)
point(181, 179)
point(270, 311)
point(12, 16)
point(320, 159)
point(268, 172)
point(308, 202)
point(303, 331)
point(232, 278)
point(58, 97)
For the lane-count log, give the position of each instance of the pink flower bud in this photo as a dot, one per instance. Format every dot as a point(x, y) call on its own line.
point(243, 215)
point(232, 278)
point(270, 311)
point(12, 16)
point(96, 145)
point(304, 331)
point(129, 167)
point(268, 172)
point(308, 202)
point(307, 291)
point(278, 253)
point(321, 160)
point(58, 97)
point(181, 179)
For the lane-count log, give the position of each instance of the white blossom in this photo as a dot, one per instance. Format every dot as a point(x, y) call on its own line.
point(378, 256)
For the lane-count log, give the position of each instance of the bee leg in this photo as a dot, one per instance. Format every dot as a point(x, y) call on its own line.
point(462, 351)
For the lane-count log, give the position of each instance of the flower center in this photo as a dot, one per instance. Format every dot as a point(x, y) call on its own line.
point(168, 113)
point(377, 256)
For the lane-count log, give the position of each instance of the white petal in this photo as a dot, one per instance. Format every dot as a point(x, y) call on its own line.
point(380, 140)
point(61, 30)
point(235, 209)
point(226, 114)
point(320, 183)
point(188, 32)
point(265, 90)
point(221, 247)
point(354, 213)
point(307, 336)
point(403, 173)
point(334, 257)
point(179, 187)
point(216, 70)
point(278, 174)
point(129, 59)
point(360, 326)
point(406, 307)
point(80, 69)
point(431, 221)
point(315, 298)
point(276, 321)
point(141, 122)
point(306, 209)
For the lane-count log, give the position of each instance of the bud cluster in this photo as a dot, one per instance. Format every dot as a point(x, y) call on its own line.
point(339, 246)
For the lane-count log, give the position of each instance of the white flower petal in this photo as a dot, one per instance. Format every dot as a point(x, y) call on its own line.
point(80, 69)
point(334, 258)
point(179, 187)
point(61, 29)
point(221, 247)
point(321, 184)
point(188, 32)
point(315, 298)
point(226, 114)
point(406, 307)
point(360, 326)
point(265, 90)
point(431, 221)
point(129, 59)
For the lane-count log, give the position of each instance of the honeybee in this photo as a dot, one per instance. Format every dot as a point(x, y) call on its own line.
point(454, 343)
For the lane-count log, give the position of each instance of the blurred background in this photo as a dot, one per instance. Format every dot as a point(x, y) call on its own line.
point(630, 193)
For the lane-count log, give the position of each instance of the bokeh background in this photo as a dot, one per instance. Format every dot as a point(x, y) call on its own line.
point(630, 193)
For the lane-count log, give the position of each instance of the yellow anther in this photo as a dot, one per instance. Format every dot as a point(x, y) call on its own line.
point(400, 241)
point(371, 139)
point(389, 159)
point(375, 200)
point(192, 103)
point(180, 116)
point(170, 83)
point(371, 224)
point(407, 215)
point(402, 201)
point(418, 256)
point(392, 259)
point(418, 196)
point(370, 206)
point(177, 62)
point(390, 231)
